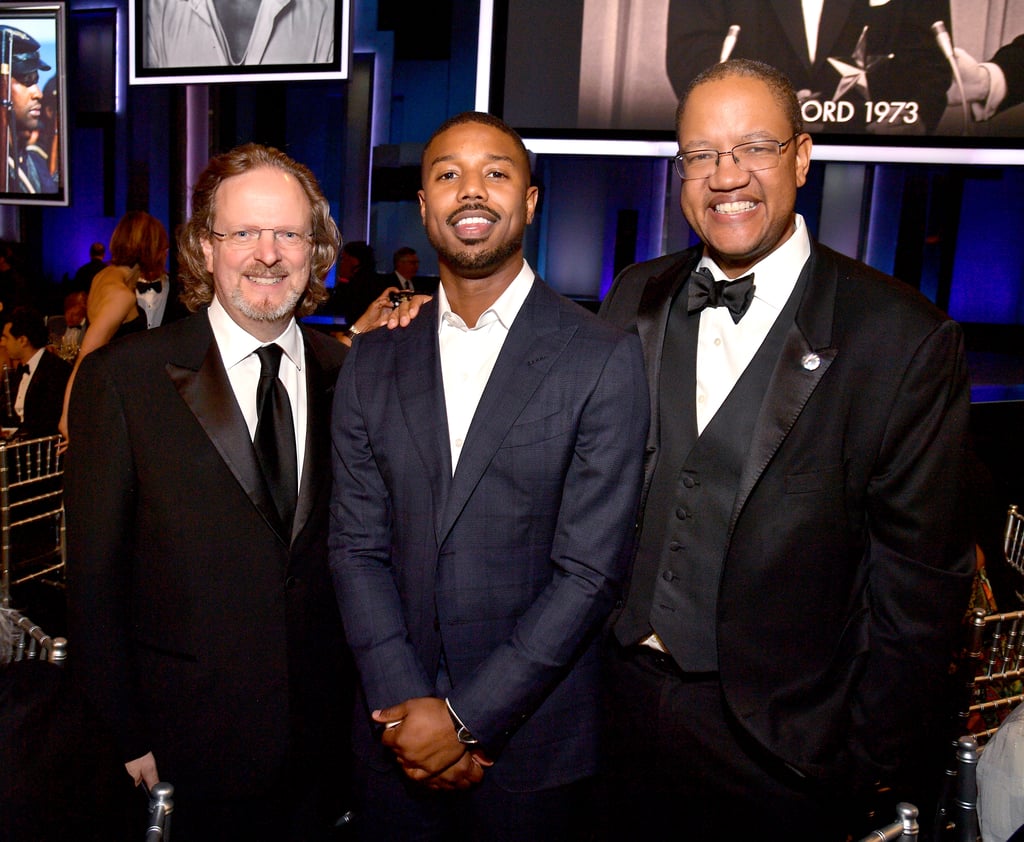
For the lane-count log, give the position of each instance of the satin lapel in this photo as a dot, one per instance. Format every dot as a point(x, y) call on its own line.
point(209, 395)
point(531, 348)
point(421, 397)
point(806, 356)
point(652, 322)
point(834, 16)
point(790, 15)
point(315, 467)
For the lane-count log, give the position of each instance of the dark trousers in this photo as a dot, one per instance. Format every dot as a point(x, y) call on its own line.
point(389, 807)
point(677, 765)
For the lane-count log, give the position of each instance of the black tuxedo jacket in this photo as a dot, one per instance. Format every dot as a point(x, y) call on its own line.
point(1010, 59)
point(848, 559)
point(44, 400)
point(201, 631)
point(772, 31)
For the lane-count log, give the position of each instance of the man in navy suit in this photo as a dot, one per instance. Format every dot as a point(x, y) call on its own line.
point(804, 555)
point(487, 469)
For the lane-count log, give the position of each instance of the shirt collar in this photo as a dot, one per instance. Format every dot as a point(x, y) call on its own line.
point(235, 343)
point(776, 274)
point(504, 309)
point(33, 361)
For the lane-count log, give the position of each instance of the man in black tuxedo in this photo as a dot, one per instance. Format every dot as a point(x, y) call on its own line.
point(38, 391)
point(203, 616)
point(848, 50)
point(804, 555)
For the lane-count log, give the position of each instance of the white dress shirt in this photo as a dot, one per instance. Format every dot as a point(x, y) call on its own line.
point(812, 20)
point(154, 303)
point(725, 348)
point(238, 352)
point(468, 353)
point(188, 33)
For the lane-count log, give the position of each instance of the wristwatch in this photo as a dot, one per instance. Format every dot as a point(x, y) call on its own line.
point(351, 331)
point(461, 731)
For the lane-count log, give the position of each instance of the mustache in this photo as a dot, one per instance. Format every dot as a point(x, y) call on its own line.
point(478, 206)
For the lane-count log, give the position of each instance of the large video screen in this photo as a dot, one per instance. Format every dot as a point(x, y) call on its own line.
point(882, 80)
point(33, 108)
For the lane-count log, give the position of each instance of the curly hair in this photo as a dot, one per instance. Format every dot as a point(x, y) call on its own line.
point(196, 280)
point(140, 240)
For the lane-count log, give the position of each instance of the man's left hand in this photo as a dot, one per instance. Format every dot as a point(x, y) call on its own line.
point(424, 739)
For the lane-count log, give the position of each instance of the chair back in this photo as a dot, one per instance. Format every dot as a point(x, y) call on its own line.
point(32, 533)
point(904, 828)
point(161, 805)
point(31, 643)
point(1013, 539)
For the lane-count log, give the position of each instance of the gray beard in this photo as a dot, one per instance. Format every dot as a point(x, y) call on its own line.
point(265, 312)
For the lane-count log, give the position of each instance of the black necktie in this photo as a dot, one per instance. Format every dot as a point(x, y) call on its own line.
point(705, 291)
point(141, 288)
point(275, 435)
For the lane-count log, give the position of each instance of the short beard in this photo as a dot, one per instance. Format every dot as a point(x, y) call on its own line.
point(470, 264)
point(265, 312)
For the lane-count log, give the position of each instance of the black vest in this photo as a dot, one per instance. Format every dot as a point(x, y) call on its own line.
point(678, 566)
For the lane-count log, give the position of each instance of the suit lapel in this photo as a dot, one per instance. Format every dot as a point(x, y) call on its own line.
point(200, 378)
point(421, 397)
point(833, 20)
point(790, 15)
point(807, 353)
point(315, 468)
point(531, 348)
point(652, 323)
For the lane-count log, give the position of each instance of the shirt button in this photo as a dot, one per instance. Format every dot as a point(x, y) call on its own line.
point(718, 340)
point(458, 442)
point(701, 399)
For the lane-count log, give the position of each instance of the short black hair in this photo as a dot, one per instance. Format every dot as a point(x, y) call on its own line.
point(484, 119)
point(29, 322)
point(778, 83)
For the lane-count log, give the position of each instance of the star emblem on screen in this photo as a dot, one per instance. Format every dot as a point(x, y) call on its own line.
point(853, 72)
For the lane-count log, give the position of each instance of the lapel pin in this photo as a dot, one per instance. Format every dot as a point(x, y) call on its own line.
point(810, 361)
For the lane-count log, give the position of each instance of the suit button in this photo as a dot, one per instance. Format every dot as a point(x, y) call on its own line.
point(675, 546)
point(689, 482)
point(668, 576)
point(290, 582)
point(682, 514)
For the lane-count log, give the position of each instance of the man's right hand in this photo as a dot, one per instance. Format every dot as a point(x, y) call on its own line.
point(143, 770)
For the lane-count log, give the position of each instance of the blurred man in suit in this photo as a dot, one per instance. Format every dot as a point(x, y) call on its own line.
point(487, 467)
point(41, 376)
point(204, 621)
point(831, 50)
point(804, 556)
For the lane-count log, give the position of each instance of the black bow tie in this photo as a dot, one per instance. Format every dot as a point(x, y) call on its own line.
point(705, 291)
point(142, 288)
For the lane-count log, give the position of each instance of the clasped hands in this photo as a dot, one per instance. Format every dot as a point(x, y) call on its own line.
point(421, 735)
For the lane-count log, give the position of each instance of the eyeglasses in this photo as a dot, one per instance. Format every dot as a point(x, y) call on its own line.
point(247, 238)
point(754, 156)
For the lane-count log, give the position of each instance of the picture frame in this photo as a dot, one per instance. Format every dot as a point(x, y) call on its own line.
point(173, 43)
point(33, 104)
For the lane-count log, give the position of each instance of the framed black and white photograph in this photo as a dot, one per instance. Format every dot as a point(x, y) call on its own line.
point(200, 41)
point(33, 104)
